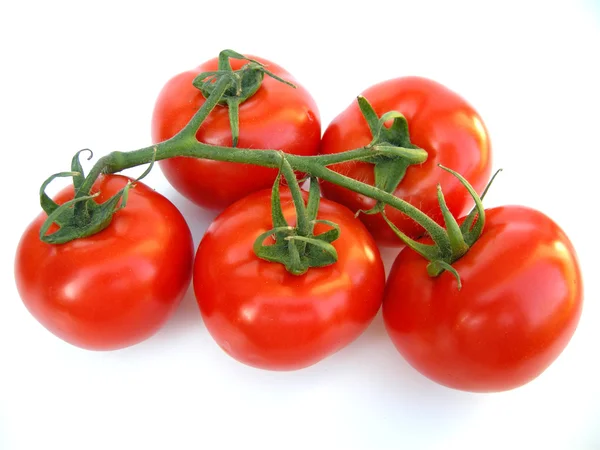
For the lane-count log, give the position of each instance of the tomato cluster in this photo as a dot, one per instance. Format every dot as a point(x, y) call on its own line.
point(521, 294)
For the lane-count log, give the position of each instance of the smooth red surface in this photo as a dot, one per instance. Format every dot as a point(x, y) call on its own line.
point(117, 287)
point(266, 317)
point(440, 122)
point(276, 117)
point(518, 308)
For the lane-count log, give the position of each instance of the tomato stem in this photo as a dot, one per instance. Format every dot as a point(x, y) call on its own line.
point(459, 237)
point(185, 145)
point(297, 248)
point(390, 151)
point(301, 215)
point(400, 153)
point(243, 84)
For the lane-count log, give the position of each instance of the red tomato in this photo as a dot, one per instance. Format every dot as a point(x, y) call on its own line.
point(440, 122)
point(266, 317)
point(518, 307)
point(277, 117)
point(117, 287)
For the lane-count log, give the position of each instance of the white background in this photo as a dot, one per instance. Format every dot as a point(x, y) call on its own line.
point(86, 74)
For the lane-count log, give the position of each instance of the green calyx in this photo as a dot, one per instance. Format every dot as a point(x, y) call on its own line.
point(395, 151)
point(244, 84)
point(297, 247)
point(81, 216)
point(458, 238)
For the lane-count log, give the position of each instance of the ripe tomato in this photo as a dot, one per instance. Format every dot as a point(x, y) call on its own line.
point(277, 117)
point(117, 287)
point(440, 122)
point(518, 308)
point(266, 317)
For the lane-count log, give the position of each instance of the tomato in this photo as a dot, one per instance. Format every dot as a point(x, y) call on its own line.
point(117, 287)
point(266, 317)
point(440, 122)
point(519, 305)
point(277, 117)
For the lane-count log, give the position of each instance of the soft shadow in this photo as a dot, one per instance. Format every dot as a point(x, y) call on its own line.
point(368, 374)
point(388, 256)
point(198, 218)
point(186, 317)
point(183, 327)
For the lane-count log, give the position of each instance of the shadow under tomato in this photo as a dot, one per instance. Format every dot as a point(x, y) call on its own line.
point(383, 369)
point(197, 218)
point(370, 379)
point(185, 322)
point(182, 329)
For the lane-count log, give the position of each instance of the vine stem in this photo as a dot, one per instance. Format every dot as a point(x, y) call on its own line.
point(186, 144)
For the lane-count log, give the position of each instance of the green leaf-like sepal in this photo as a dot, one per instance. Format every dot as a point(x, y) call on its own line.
point(245, 82)
point(81, 216)
point(298, 248)
point(77, 169)
point(395, 152)
point(459, 238)
point(71, 227)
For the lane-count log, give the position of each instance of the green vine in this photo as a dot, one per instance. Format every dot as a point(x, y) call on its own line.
point(390, 152)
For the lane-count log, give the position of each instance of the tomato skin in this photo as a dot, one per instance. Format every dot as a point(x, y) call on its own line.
point(117, 287)
point(440, 122)
point(277, 117)
point(266, 317)
point(519, 305)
